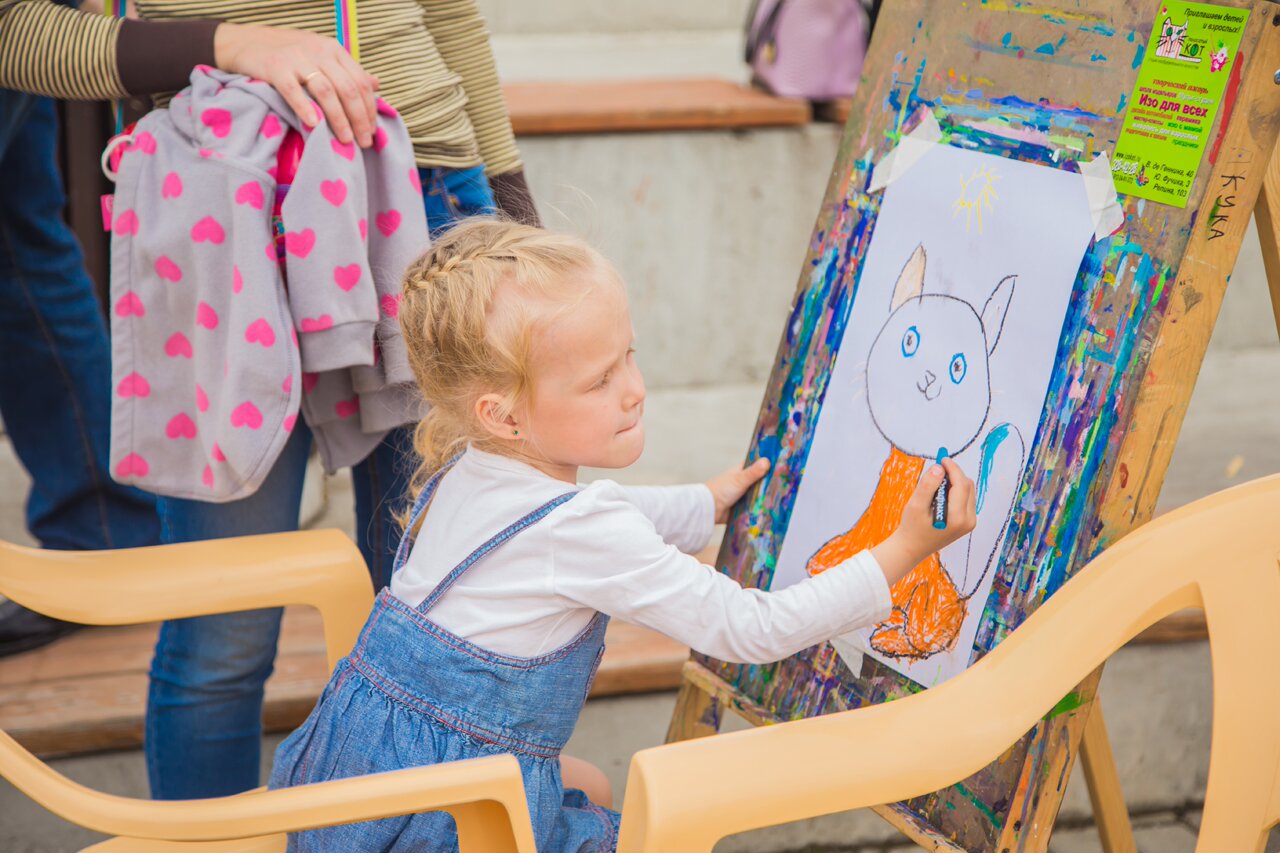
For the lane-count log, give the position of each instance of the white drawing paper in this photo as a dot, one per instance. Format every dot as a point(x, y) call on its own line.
point(950, 344)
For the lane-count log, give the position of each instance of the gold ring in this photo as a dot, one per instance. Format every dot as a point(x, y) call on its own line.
point(307, 79)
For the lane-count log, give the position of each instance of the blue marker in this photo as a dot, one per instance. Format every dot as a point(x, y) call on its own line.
point(940, 496)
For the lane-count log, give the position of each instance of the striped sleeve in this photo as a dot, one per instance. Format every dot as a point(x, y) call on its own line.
point(58, 51)
point(462, 37)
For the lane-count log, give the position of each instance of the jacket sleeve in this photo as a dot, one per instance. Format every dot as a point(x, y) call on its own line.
point(54, 50)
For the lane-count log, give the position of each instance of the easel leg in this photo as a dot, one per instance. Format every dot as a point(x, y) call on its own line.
point(697, 714)
point(1268, 237)
point(1109, 811)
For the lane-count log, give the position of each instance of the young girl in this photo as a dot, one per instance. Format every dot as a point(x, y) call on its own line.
point(491, 631)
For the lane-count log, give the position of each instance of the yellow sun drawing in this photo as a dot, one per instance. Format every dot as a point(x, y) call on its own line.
point(977, 193)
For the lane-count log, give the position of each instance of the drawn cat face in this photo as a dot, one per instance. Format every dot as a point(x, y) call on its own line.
point(1171, 37)
point(927, 373)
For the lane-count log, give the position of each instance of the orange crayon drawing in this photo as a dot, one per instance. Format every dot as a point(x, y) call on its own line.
point(928, 386)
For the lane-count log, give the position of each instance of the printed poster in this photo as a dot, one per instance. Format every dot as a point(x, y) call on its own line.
point(1185, 69)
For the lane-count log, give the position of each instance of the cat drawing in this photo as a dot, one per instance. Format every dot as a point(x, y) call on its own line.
point(1171, 37)
point(928, 387)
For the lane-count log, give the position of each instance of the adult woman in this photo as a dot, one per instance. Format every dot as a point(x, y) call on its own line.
point(429, 60)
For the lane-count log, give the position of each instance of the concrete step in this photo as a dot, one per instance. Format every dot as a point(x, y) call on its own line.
point(560, 55)
point(586, 16)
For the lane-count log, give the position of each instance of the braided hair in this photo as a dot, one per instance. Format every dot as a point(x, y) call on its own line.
point(468, 311)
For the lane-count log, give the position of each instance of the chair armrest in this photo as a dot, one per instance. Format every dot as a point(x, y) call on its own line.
point(1218, 554)
point(486, 797)
point(321, 568)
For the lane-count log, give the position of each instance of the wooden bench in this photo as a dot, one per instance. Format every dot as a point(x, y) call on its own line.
point(540, 109)
point(87, 692)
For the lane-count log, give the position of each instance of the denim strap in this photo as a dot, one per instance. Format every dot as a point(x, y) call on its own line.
point(495, 542)
point(419, 507)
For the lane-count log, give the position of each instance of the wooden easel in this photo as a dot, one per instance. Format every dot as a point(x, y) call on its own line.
point(921, 45)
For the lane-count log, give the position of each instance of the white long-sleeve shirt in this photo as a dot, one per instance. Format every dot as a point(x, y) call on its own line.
point(618, 550)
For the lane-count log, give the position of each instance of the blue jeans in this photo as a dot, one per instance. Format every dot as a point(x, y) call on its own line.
point(204, 707)
point(55, 383)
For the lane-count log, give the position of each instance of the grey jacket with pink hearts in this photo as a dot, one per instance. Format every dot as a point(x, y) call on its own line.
point(214, 356)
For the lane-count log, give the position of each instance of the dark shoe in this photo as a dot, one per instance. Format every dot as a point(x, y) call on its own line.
point(22, 630)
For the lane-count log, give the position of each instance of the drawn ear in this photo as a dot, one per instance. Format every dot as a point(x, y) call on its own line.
point(911, 280)
point(994, 312)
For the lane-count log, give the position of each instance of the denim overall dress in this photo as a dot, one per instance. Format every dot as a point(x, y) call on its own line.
point(411, 693)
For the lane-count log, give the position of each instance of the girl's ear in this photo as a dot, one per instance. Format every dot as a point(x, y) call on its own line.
point(494, 413)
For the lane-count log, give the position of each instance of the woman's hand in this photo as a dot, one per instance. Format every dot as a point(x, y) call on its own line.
point(916, 537)
point(733, 484)
point(302, 66)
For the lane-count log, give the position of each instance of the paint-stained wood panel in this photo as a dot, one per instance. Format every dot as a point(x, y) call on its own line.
point(1048, 85)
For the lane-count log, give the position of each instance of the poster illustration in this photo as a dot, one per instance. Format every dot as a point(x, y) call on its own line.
point(1186, 67)
point(951, 342)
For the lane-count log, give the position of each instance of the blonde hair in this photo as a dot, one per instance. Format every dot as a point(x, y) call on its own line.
point(460, 347)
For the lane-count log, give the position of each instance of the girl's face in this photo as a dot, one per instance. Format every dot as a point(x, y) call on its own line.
point(588, 394)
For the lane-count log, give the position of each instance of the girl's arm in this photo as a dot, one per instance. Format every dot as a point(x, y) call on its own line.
point(609, 557)
point(606, 555)
point(684, 516)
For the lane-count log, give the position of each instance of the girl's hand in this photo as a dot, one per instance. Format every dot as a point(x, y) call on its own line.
point(733, 484)
point(916, 537)
point(301, 66)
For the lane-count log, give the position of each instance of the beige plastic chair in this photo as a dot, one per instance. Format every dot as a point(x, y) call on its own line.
point(1218, 554)
point(322, 569)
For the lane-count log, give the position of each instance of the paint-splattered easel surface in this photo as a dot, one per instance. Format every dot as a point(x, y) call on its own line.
point(1045, 85)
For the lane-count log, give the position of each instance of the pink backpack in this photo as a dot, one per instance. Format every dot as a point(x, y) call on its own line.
point(807, 48)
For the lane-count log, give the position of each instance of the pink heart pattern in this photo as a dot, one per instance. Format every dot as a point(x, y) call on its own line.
point(416, 180)
point(202, 401)
point(309, 381)
point(287, 385)
point(289, 422)
point(346, 150)
point(250, 193)
point(208, 229)
point(347, 408)
point(317, 324)
point(300, 243)
point(126, 223)
point(178, 345)
point(379, 140)
point(390, 304)
point(334, 192)
point(206, 316)
point(217, 120)
point(180, 426)
point(388, 222)
point(206, 477)
point(364, 229)
point(246, 415)
point(260, 332)
point(347, 277)
point(172, 186)
point(130, 305)
point(237, 280)
point(217, 454)
point(134, 385)
point(167, 269)
point(132, 465)
point(270, 127)
point(144, 142)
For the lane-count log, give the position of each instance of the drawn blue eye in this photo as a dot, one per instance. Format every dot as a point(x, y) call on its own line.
point(910, 342)
point(959, 367)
